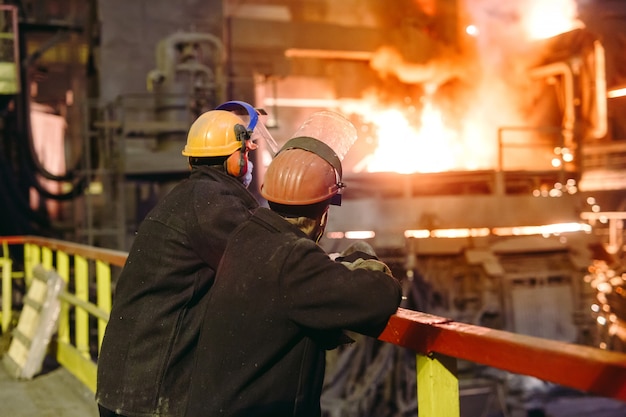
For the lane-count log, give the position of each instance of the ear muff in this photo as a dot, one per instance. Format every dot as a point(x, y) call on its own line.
point(237, 163)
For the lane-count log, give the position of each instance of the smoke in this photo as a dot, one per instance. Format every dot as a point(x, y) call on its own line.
point(440, 69)
point(472, 87)
point(506, 29)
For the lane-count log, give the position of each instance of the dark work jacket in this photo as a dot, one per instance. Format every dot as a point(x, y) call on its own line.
point(147, 353)
point(277, 303)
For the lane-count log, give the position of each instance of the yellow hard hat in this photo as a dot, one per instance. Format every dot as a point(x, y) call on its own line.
point(214, 134)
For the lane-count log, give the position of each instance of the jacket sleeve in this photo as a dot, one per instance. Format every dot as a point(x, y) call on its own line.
point(322, 294)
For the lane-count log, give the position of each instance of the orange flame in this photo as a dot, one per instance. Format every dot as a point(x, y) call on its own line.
point(430, 145)
point(544, 19)
point(427, 146)
point(406, 149)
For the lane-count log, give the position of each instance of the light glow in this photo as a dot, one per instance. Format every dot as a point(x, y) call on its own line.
point(544, 19)
point(335, 235)
point(360, 234)
point(545, 230)
point(472, 30)
point(551, 229)
point(417, 234)
point(619, 92)
point(405, 149)
point(459, 233)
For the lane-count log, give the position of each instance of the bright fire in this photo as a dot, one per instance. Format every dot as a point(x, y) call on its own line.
point(428, 145)
point(409, 140)
point(405, 149)
point(544, 19)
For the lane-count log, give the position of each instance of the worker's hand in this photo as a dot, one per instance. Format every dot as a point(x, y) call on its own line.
point(371, 264)
point(361, 255)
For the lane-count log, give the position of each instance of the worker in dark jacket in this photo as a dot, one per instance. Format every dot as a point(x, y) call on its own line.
point(279, 302)
point(144, 366)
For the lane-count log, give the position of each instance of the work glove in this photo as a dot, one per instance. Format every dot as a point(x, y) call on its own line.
point(362, 255)
point(371, 264)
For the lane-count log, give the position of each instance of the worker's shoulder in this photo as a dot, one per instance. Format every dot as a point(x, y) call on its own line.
point(275, 223)
point(267, 219)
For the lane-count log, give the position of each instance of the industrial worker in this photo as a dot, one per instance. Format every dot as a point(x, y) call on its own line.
point(145, 362)
point(279, 302)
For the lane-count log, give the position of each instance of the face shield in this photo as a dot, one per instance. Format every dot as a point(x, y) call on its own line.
point(331, 128)
point(330, 136)
point(253, 118)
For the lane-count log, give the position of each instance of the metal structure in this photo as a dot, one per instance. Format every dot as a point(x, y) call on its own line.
point(141, 135)
point(504, 244)
point(454, 234)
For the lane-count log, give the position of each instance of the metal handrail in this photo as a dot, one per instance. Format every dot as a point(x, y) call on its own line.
point(437, 341)
point(86, 271)
point(581, 367)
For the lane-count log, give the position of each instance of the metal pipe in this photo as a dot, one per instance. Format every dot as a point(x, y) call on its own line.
point(600, 128)
point(564, 70)
point(328, 54)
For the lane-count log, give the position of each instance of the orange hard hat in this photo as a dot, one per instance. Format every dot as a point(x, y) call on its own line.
point(307, 170)
point(302, 175)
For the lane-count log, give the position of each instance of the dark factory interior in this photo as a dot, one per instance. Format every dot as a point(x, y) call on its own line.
point(489, 171)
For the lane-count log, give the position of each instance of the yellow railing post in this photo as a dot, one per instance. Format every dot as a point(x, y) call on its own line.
point(437, 386)
point(32, 257)
point(7, 291)
point(63, 269)
point(47, 258)
point(103, 294)
point(81, 282)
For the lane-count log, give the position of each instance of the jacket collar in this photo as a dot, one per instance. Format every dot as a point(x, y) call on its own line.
point(275, 221)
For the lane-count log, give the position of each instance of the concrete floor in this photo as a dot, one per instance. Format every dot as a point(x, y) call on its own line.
point(56, 393)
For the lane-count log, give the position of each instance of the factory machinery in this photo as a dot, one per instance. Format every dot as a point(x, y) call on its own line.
point(488, 173)
point(503, 232)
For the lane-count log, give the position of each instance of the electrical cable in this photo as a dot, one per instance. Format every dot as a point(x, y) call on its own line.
point(18, 217)
point(29, 157)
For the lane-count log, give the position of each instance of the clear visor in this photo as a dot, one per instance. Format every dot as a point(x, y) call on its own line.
point(260, 132)
point(253, 119)
point(331, 128)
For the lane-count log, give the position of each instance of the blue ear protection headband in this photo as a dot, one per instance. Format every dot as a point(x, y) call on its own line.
point(239, 166)
point(235, 106)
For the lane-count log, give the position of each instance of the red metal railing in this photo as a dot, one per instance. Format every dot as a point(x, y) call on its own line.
point(581, 367)
point(437, 341)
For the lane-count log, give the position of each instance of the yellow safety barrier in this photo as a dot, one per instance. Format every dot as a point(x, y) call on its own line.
point(8, 275)
point(86, 301)
point(438, 342)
